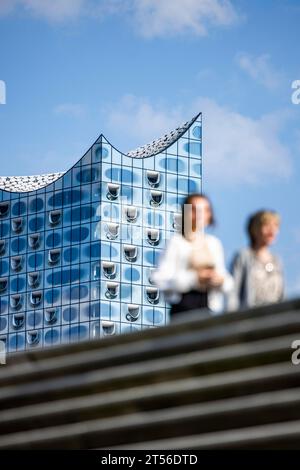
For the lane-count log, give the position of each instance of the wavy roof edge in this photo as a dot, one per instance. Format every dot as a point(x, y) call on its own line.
point(34, 182)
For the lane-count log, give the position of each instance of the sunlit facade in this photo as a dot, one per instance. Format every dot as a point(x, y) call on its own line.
point(77, 249)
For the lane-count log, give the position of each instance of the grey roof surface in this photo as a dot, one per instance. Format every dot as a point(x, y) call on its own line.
point(31, 183)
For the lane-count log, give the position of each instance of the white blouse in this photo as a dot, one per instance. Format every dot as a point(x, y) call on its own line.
point(175, 277)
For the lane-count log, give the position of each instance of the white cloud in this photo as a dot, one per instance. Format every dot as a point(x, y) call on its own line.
point(139, 120)
point(169, 17)
point(260, 69)
point(238, 149)
point(70, 109)
point(151, 17)
point(51, 10)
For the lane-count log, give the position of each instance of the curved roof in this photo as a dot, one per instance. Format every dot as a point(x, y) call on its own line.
point(23, 184)
point(159, 145)
point(31, 183)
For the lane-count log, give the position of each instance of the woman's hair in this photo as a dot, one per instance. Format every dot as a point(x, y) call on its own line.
point(188, 200)
point(257, 220)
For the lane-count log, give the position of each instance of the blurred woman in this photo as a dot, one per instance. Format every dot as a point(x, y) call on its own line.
point(192, 272)
point(257, 273)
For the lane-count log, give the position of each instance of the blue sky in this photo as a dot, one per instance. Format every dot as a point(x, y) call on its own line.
point(134, 69)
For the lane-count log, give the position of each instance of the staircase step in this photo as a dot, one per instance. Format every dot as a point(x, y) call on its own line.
point(285, 435)
point(272, 407)
point(164, 369)
point(211, 336)
point(152, 397)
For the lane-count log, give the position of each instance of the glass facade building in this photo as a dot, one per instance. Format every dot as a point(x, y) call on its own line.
point(77, 248)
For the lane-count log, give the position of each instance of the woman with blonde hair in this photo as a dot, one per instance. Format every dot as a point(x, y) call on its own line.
point(257, 272)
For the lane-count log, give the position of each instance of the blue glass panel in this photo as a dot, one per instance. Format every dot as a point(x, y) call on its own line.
point(3, 266)
point(36, 224)
point(53, 240)
point(194, 186)
point(77, 332)
point(154, 219)
point(3, 305)
point(196, 168)
point(65, 276)
point(70, 314)
point(64, 198)
point(52, 296)
point(197, 132)
point(193, 147)
point(132, 274)
point(71, 255)
point(3, 323)
point(18, 208)
point(34, 319)
point(183, 185)
point(36, 204)
point(151, 256)
point(100, 153)
point(88, 175)
point(96, 308)
point(52, 336)
point(35, 260)
point(153, 316)
point(16, 341)
point(119, 174)
point(125, 291)
point(79, 292)
point(17, 284)
point(82, 213)
point(18, 244)
point(170, 164)
point(77, 234)
point(4, 229)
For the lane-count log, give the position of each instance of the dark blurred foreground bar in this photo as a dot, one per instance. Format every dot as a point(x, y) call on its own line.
point(201, 383)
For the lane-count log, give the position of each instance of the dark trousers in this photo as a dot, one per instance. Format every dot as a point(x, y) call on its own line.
point(190, 301)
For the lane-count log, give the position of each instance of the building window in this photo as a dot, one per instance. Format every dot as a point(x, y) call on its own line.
point(152, 294)
point(156, 198)
point(33, 337)
point(177, 221)
point(17, 224)
point(2, 247)
point(15, 301)
point(16, 263)
point(133, 312)
point(54, 217)
point(108, 328)
point(51, 316)
point(153, 236)
point(54, 256)
point(35, 298)
point(34, 240)
point(33, 279)
point(3, 284)
point(131, 213)
point(113, 191)
point(18, 320)
point(153, 178)
point(150, 275)
point(109, 269)
point(130, 253)
point(112, 230)
point(112, 289)
point(4, 208)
